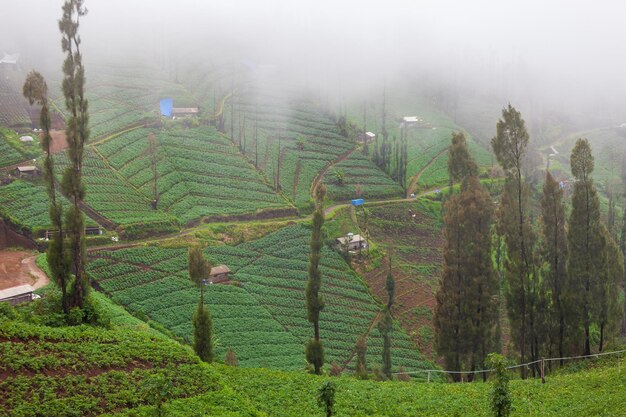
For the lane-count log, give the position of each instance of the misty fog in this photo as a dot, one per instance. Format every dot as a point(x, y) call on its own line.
point(566, 56)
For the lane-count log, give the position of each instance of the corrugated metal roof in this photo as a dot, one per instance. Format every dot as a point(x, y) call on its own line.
point(354, 239)
point(15, 291)
point(27, 168)
point(220, 269)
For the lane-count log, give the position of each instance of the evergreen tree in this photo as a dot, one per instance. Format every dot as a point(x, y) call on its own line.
point(460, 163)
point(77, 133)
point(586, 242)
point(609, 289)
point(385, 326)
point(466, 311)
point(314, 301)
point(36, 91)
point(361, 350)
point(500, 396)
point(390, 286)
point(509, 145)
point(199, 270)
point(555, 257)
point(326, 397)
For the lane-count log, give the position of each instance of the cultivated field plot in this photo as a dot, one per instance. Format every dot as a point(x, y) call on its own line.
point(25, 204)
point(264, 321)
point(114, 198)
point(200, 173)
point(413, 232)
point(8, 154)
point(124, 96)
point(88, 371)
point(13, 106)
point(309, 139)
point(360, 173)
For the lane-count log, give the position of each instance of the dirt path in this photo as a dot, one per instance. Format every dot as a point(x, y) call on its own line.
point(59, 141)
point(20, 268)
point(414, 179)
point(324, 170)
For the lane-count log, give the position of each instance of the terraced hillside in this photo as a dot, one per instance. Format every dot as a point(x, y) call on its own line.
point(113, 198)
point(264, 319)
point(427, 140)
point(200, 173)
point(123, 96)
point(25, 204)
point(88, 371)
point(14, 109)
point(264, 120)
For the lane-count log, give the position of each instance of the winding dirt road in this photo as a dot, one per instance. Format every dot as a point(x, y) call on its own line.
point(20, 268)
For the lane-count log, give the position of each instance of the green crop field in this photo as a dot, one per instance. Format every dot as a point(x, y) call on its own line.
point(114, 198)
point(309, 139)
point(25, 204)
point(267, 309)
point(360, 173)
point(13, 106)
point(200, 173)
point(87, 371)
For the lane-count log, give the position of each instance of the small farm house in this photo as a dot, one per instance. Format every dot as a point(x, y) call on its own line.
point(27, 171)
point(353, 242)
point(17, 295)
point(219, 274)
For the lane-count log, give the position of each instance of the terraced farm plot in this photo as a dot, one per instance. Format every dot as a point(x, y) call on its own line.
point(309, 140)
point(360, 172)
point(417, 244)
point(13, 106)
point(8, 154)
point(264, 321)
point(89, 371)
point(115, 199)
point(25, 204)
point(200, 173)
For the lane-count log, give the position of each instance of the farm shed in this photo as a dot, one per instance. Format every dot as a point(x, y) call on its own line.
point(367, 137)
point(184, 111)
point(219, 274)
point(19, 294)
point(27, 171)
point(26, 138)
point(354, 242)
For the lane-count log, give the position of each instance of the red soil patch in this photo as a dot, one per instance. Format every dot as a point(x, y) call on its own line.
point(59, 141)
point(417, 244)
point(18, 268)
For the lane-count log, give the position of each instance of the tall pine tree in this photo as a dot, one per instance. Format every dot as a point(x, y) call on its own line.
point(199, 270)
point(509, 145)
point(555, 259)
point(77, 133)
point(314, 301)
point(36, 91)
point(466, 311)
point(586, 242)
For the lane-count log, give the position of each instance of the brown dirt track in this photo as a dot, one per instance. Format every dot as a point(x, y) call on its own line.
point(19, 268)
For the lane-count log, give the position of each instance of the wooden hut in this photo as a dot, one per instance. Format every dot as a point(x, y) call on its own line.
point(219, 274)
point(17, 295)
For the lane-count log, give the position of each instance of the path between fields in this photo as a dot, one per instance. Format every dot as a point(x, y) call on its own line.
point(20, 268)
point(365, 335)
point(324, 170)
point(415, 178)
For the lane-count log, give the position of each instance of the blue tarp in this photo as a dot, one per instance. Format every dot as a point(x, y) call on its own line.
point(166, 106)
point(358, 202)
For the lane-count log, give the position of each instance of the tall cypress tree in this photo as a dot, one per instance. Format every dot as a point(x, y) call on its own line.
point(609, 289)
point(199, 270)
point(36, 91)
point(385, 326)
point(509, 145)
point(460, 163)
point(77, 133)
point(314, 301)
point(586, 243)
point(555, 257)
point(466, 311)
